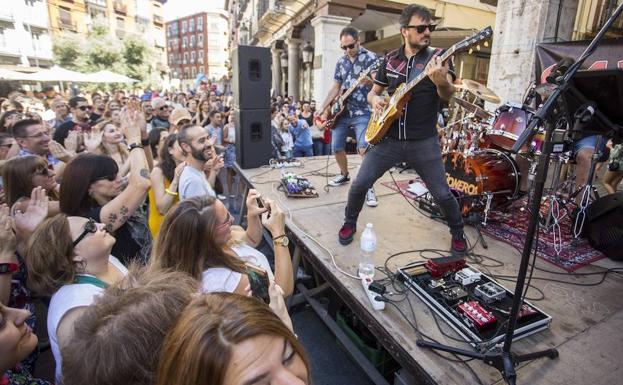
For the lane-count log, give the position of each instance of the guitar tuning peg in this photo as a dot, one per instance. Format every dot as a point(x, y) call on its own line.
point(486, 43)
point(471, 51)
point(478, 47)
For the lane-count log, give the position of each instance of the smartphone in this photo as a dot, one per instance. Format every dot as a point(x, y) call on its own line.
point(261, 204)
point(258, 279)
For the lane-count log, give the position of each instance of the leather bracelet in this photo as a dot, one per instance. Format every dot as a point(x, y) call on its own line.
point(166, 190)
point(279, 237)
point(134, 145)
point(144, 142)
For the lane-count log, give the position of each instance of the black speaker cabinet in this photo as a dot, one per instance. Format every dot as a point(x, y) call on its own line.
point(604, 225)
point(253, 145)
point(252, 77)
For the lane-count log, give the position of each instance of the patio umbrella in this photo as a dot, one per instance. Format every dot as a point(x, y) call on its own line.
point(57, 74)
point(106, 76)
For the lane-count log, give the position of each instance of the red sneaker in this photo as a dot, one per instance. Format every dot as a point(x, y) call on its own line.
point(458, 246)
point(347, 233)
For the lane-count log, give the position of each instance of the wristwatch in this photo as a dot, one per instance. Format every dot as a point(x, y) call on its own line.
point(8, 268)
point(281, 240)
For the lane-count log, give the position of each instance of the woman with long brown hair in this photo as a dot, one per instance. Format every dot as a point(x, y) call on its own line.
point(201, 117)
point(224, 339)
point(165, 179)
point(21, 175)
point(69, 259)
point(197, 237)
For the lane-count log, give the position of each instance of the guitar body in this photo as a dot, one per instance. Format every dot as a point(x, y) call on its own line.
point(379, 124)
point(336, 109)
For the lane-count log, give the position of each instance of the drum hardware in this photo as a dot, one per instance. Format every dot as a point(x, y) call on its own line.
point(472, 108)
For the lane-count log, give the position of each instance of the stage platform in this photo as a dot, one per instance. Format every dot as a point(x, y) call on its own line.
point(587, 320)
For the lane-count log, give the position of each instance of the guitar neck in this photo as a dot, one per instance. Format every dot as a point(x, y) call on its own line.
point(409, 86)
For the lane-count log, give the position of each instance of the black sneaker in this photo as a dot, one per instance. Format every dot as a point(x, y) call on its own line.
point(347, 233)
point(339, 180)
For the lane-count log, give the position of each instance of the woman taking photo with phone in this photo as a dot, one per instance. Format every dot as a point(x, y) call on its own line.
point(197, 237)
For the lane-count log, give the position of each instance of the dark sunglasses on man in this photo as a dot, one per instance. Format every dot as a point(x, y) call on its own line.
point(84, 108)
point(421, 28)
point(89, 227)
point(349, 46)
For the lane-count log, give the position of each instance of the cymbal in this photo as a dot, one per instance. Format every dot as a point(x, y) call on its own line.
point(479, 112)
point(481, 91)
point(545, 90)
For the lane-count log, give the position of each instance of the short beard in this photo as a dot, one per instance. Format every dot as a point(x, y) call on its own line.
point(418, 46)
point(198, 154)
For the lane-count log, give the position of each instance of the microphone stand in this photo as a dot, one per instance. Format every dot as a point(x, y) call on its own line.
point(504, 359)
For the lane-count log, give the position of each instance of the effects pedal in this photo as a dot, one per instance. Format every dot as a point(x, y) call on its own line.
point(438, 267)
point(467, 276)
point(376, 305)
point(489, 292)
point(476, 315)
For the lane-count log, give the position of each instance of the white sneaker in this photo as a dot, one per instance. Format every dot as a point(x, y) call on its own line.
point(371, 198)
point(339, 180)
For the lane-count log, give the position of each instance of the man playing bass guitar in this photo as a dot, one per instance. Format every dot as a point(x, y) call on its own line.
point(356, 60)
point(412, 138)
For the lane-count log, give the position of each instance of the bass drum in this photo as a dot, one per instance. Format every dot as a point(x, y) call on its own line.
point(472, 177)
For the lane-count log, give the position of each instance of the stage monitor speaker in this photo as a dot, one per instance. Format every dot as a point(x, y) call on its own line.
point(253, 137)
point(604, 225)
point(252, 77)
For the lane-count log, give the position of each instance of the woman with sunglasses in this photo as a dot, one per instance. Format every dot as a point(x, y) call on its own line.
point(92, 187)
point(165, 179)
point(231, 339)
point(17, 341)
point(21, 175)
point(69, 259)
point(197, 237)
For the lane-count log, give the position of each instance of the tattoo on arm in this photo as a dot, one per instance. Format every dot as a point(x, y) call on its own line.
point(144, 173)
point(112, 218)
point(125, 214)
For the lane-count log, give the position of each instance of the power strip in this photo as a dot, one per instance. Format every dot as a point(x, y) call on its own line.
point(376, 305)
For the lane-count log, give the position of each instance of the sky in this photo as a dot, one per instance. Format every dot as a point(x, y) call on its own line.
point(174, 9)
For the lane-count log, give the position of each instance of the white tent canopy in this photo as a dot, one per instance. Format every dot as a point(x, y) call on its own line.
point(57, 74)
point(6, 74)
point(106, 76)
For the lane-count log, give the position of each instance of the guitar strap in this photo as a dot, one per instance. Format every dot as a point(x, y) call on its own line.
point(416, 70)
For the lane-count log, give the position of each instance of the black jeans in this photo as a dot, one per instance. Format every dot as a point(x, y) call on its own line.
point(424, 156)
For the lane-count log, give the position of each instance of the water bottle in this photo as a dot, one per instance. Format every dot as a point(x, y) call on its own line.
point(368, 246)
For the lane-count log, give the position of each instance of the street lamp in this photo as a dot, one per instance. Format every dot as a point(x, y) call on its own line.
point(308, 53)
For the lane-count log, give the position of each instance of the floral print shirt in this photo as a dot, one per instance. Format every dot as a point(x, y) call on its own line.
point(347, 73)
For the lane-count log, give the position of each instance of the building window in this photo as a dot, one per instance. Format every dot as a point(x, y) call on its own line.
point(192, 41)
point(184, 42)
point(185, 61)
point(186, 73)
point(30, 3)
point(64, 14)
point(200, 40)
point(171, 59)
point(194, 72)
point(192, 57)
point(199, 23)
point(120, 23)
point(191, 25)
point(184, 26)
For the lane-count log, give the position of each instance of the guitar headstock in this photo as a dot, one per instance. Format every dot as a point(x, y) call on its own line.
point(481, 37)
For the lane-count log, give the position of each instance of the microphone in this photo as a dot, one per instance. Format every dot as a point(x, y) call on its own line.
point(559, 70)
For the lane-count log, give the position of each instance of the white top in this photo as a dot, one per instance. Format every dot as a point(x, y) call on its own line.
point(288, 141)
point(194, 183)
point(223, 279)
point(69, 297)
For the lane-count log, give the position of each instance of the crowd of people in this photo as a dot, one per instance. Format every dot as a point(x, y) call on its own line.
point(116, 213)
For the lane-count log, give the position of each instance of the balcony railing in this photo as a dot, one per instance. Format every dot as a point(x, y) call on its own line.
point(99, 3)
point(158, 20)
point(120, 7)
point(67, 24)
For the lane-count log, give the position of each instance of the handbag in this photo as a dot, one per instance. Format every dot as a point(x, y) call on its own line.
point(316, 133)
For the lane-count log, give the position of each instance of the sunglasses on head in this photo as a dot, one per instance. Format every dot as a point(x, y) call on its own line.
point(84, 108)
point(421, 28)
point(349, 46)
point(89, 227)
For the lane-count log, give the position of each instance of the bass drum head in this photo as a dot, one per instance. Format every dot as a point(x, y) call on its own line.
point(484, 172)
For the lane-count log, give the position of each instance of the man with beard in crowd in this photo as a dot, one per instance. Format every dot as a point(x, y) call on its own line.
point(198, 148)
point(161, 113)
point(80, 111)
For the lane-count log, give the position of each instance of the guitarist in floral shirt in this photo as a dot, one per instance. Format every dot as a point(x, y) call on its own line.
point(355, 61)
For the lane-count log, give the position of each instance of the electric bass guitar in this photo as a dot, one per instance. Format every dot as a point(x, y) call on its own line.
point(337, 107)
point(380, 123)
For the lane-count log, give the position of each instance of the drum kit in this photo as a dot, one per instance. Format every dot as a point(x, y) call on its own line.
point(480, 168)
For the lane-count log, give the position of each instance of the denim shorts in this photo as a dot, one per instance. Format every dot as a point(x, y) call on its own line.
point(588, 142)
point(340, 131)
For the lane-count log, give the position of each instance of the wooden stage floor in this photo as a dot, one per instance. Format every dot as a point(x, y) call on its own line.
point(587, 326)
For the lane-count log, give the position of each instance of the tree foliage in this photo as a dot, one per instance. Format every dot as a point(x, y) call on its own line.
point(102, 50)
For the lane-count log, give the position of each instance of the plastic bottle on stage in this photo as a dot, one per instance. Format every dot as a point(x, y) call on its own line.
point(368, 246)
